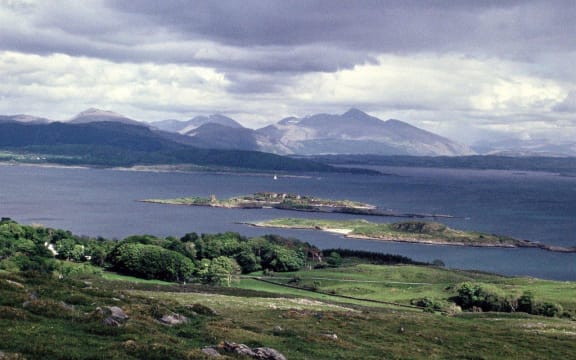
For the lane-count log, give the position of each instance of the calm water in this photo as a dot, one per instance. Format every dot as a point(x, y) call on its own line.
point(535, 206)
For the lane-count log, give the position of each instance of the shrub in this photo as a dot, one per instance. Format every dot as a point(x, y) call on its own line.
point(482, 296)
point(549, 309)
point(427, 304)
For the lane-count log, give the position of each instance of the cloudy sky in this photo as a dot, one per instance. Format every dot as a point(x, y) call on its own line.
point(465, 69)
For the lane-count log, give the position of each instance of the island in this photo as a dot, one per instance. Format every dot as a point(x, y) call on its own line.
point(411, 231)
point(289, 201)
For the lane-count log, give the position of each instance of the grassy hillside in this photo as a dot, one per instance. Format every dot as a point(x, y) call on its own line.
point(48, 318)
point(347, 305)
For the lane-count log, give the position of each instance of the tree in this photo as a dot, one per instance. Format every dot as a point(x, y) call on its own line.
point(526, 303)
point(248, 261)
point(151, 261)
point(334, 259)
point(69, 249)
point(221, 271)
point(280, 259)
point(212, 246)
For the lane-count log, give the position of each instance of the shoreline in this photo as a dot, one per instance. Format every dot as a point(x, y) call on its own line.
point(47, 165)
point(348, 234)
point(162, 169)
point(330, 209)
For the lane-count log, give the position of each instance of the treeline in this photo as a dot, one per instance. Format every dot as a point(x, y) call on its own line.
point(373, 257)
point(208, 258)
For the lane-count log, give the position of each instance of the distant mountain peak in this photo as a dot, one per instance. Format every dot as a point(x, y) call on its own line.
point(97, 115)
point(200, 120)
point(217, 119)
point(97, 112)
point(354, 112)
point(94, 112)
point(357, 132)
point(186, 126)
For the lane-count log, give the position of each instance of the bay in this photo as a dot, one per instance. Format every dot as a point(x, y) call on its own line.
point(103, 202)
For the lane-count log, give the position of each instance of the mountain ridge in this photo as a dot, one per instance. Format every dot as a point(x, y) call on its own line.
point(113, 144)
point(186, 126)
point(352, 132)
point(347, 133)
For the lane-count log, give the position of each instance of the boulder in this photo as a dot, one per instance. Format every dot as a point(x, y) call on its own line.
point(202, 309)
point(211, 352)
point(174, 319)
point(239, 349)
point(330, 336)
point(117, 313)
point(266, 353)
point(111, 315)
point(260, 353)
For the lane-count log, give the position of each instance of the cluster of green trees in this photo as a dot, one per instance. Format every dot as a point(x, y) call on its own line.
point(487, 297)
point(368, 256)
point(25, 247)
point(209, 258)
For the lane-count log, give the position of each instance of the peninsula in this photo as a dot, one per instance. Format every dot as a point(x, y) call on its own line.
point(288, 201)
point(412, 231)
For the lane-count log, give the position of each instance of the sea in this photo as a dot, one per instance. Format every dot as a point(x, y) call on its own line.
point(535, 206)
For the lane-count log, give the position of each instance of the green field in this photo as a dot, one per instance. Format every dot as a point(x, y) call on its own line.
point(403, 283)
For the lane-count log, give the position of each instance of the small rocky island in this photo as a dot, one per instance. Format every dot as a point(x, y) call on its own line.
point(411, 231)
point(288, 201)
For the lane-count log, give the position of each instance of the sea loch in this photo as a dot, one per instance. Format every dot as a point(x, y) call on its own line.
point(528, 205)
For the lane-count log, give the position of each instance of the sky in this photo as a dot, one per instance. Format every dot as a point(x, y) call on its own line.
point(468, 70)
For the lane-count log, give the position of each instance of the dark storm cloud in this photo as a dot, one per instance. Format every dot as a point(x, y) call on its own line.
point(372, 25)
point(431, 59)
point(288, 36)
point(519, 27)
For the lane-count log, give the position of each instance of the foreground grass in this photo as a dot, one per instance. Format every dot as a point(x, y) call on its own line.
point(46, 318)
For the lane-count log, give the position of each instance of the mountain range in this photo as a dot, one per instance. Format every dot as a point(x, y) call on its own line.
point(116, 143)
point(353, 132)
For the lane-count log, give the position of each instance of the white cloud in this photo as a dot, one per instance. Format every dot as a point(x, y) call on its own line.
point(451, 94)
point(60, 85)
